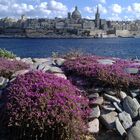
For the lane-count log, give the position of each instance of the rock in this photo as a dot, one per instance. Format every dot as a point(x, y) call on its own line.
point(130, 106)
point(98, 101)
point(134, 134)
point(136, 102)
point(93, 126)
point(55, 70)
point(97, 90)
point(132, 70)
point(135, 92)
point(60, 75)
point(126, 120)
point(43, 60)
point(27, 60)
point(117, 106)
point(95, 113)
point(94, 95)
point(111, 98)
point(108, 107)
point(18, 58)
point(106, 61)
point(137, 124)
point(119, 127)
point(122, 94)
point(3, 82)
point(20, 72)
point(108, 119)
point(58, 61)
point(111, 92)
point(43, 67)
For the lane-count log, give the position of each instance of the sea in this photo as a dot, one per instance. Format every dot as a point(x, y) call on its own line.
point(126, 48)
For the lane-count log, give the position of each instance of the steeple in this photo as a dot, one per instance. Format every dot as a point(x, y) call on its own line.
point(97, 18)
point(97, 9)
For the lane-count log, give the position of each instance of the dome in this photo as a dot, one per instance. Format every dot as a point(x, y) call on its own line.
point(76, 14)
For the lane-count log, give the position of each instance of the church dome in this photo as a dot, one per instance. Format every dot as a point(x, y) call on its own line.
point(76, 14)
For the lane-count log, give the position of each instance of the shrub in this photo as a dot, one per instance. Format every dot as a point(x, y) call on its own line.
point(8, 67)
point(109, 75)
point(6, 54)
point(42, 106)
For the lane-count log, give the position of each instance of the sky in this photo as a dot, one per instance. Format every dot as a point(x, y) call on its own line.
point(109, 9)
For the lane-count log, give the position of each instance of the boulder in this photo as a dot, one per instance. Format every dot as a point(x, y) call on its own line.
point(117, 106)
point(58, 61)
point(93, 96)
point(93, 126)
point(3, 82)
point(95, 113)
point(111, 98)
point(106, 61)
point(122, 95)
point(97, 101)
point(134, 134)
point(119, 127)
point(20, 72)
point(108, 107)
point(130, 106)
point(126, 120)
point(132, 70)
point(60, 75)
point(108, 119)
point(55, 70)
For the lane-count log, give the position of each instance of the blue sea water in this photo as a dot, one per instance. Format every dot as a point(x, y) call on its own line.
point(114, 47)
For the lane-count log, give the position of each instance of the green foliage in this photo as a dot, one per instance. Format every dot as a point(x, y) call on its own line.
point(6, 54)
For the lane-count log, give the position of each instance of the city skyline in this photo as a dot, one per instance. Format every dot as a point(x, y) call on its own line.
point(109, 9)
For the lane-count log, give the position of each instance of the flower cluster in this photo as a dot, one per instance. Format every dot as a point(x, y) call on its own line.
point(42, 105)
point(8, 67)
point(110, 74)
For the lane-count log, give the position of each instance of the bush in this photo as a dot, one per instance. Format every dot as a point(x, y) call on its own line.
point(6, 54)
point(42, 106)
point(8, 67)
point(109, 75)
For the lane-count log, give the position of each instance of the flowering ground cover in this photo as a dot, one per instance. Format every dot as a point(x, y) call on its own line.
point(39, 105)
point(109, 71)
point(8, 67)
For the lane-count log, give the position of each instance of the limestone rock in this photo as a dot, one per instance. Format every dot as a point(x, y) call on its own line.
point(20, 72)
point(95, 113)
point(106, 61)
point(134, 134)
point(97, 101)
point(122, 94)
point(119, 127)
point(132, 70)
point(130, 107)
point(93, 126)
point(55, 70)
point(126, 120)
point(60, 75)
point(58, 61)
point(108, 119)
point(117, 106)
point(94, 95)
point(111, 98)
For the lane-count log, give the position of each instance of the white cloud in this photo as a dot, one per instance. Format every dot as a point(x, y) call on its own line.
point(102, 9)
point(116, 8)
point(115, 17)
point(88, 9)
point(14, 8)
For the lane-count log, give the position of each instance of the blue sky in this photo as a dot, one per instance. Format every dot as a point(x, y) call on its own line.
point(109, 9)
